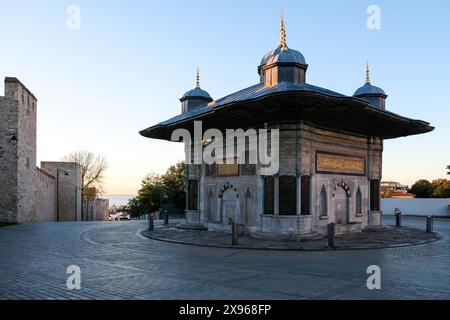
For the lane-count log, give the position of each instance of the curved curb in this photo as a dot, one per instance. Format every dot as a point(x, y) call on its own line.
point(401, 245)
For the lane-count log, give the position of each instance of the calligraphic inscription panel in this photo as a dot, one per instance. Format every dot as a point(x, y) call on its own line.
point(227, 170)
point(340, 164)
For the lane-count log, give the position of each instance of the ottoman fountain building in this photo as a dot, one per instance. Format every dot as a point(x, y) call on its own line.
point(329, 149)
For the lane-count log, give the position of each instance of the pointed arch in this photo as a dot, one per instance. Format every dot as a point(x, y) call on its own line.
point(358, 202)
point(211, 206)
point(323, 201)
point(248, 216)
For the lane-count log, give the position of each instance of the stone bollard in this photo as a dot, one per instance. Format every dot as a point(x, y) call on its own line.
point(234, 233)
point(398, 218)
point(151, 224)
point(429, 224)
point(166, 218)
point(330, 235)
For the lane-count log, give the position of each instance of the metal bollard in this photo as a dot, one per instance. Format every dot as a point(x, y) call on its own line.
point(151, 224)
point(330, 235)
point(166, 218)
point(234, 233)
point(398, 218)
point(429, 224)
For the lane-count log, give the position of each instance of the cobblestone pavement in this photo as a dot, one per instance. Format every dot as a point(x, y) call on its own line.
point(118, 263)
point(380, 237)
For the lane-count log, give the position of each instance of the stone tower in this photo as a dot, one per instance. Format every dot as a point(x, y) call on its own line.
point(17, 153)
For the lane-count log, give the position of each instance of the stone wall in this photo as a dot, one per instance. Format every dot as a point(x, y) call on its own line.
point(8, 164)
point(313, 140)
point(425, 207)
point(28, 194)
point(102, 209)
point(26, 173)
point(96, 210)
point(68, 188)
point(17, 153)
point(45, 196)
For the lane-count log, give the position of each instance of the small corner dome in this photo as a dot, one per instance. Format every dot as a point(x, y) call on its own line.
point(368, 89)
point(284, 56)
point(196, 93)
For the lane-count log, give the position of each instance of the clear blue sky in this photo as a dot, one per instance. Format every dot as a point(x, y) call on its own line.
point(131, 61)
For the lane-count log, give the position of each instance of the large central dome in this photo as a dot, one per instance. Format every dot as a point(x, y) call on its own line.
point(282, 55)
point(282, 64)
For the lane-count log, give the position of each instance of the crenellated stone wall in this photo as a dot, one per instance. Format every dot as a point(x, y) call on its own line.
point(68, 189)
point(45, 197)
point(96, 210)
point(17, 153)
point(8, 163)
point(29, 194)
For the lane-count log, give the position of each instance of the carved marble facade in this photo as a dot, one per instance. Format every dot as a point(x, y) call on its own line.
point(334, 170)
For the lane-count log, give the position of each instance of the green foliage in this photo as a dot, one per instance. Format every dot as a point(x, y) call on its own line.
point(168, 188)
point(442, 189)
point(174, 185)
point(422, 189)
point(439, 188)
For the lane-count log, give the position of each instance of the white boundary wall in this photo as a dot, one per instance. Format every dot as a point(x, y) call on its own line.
point(438, 207)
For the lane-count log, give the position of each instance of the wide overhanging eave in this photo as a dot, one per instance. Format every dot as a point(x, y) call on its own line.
point(344, 114)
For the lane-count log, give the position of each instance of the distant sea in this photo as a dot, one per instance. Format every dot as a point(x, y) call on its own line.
point(118, 200)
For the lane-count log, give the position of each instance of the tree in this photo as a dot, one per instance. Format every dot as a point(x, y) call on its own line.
point(448, 169)
point(442, 188)
point(166, 190)
point(422, 189)
point(93, 168)
point(151, 193)
point(90, 193)
point(134, 208)
point(175, 185)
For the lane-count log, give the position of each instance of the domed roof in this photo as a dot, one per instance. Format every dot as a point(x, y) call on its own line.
point(196, 93)
point(369, 89)
point(280, 55)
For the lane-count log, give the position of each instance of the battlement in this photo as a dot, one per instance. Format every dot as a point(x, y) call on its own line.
point(14, 88)
point(29, 194)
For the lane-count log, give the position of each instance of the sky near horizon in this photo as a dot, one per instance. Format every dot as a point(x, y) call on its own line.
point(129, 63)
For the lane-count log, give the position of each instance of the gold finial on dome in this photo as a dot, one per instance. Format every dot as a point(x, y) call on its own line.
point(282, 33)
point(367, 73)
point(197, 83)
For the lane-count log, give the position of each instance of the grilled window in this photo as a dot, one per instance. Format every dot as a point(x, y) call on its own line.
point(375, 195)
point(358, 203)
point(268, 194)
point(306, 189)
point(287, 195)
point(323, 208)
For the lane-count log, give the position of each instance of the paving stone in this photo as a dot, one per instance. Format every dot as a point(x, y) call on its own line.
point(117, 263)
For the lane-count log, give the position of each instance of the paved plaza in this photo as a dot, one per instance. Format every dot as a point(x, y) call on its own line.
point(377, 237)
point(117, 262)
